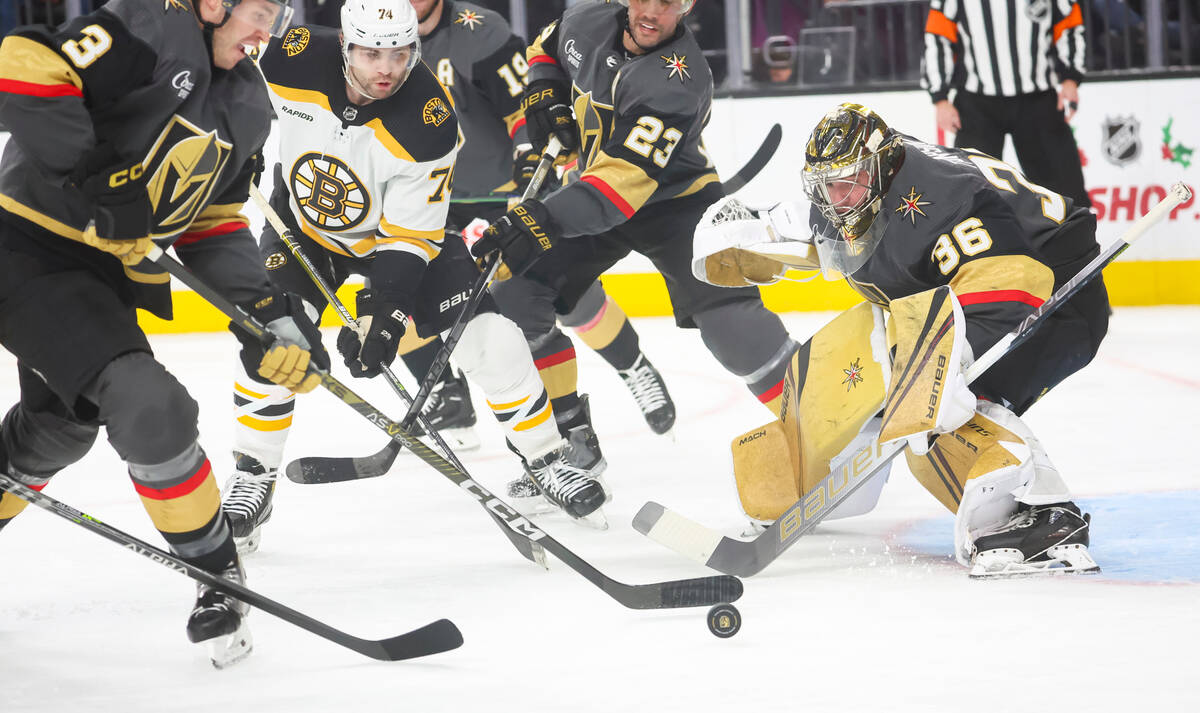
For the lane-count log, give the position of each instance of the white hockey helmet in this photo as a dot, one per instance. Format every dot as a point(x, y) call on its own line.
point(375, 31)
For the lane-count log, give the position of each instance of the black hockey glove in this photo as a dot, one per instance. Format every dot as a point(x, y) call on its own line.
point(525, 163)
point(298, 344)
point(547, 107)
point(522, 235)
point(384, 325)
point(122, 215)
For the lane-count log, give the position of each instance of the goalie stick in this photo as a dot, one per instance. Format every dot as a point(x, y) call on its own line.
point(697, 592)
point(335, 469)
point(441, 635)
point(748, 557)
point(321, 469)
point(530, 550)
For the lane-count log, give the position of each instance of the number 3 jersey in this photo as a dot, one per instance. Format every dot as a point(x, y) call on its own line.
point(360, 178)
point(639, 117)
point(972, 222)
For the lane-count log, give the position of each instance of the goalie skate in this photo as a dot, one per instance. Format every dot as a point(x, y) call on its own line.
point(1040, 539)
point(219, 622)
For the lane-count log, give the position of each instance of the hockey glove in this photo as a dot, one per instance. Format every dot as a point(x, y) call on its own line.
point(525, 163)
point(297, 344)
point(522, 235)
point(547, 107)
point(122, 215)
point(383, 327)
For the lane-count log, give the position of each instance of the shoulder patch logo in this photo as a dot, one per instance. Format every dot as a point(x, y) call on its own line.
point(176, 5)
point(435, 112)
point(677, 64)
point(910, 205)
point(469, 19)
point(275, 260)
point(296, 40)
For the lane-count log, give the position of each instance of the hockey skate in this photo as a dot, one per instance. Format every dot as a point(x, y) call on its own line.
point(249, 495)
point(450, 412)
point(219, 621)
point(582, 451)
point(648, 389)
point(1039, 539)
point(575, 490)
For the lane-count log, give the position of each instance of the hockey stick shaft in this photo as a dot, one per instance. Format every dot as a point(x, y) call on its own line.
point(701, 591)
point(528, 549)
point(748, 557)
point(441, 635)
point(387, 456)
point(760, 159)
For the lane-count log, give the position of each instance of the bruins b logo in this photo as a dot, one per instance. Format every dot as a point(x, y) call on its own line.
point(330, 196)
point(183, 168)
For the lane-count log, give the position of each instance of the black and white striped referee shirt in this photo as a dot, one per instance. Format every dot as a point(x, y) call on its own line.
point(1007, 47)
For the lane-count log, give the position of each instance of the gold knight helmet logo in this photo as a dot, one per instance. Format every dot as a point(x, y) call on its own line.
point(183, 168)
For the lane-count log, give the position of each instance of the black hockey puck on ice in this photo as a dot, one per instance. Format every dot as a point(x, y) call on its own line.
point(724, 620)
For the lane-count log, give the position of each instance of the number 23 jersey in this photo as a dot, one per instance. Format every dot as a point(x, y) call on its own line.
point(361, 178)
point(967, 220)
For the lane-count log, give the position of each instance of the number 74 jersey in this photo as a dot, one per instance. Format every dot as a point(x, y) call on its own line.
point(361, 178)
point(975, 223)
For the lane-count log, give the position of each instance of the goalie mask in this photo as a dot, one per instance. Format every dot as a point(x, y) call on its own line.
point(849, 164)
point(380, 45)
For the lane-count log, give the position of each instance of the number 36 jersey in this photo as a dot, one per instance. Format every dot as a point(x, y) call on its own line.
point(967, 220)
point(639, 118)
point(360, 178)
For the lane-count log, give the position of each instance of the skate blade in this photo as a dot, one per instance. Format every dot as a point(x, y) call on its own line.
point(531, 507)
point(248, 545)
point(225, 651)
point(1004, 564)
point(594, 520)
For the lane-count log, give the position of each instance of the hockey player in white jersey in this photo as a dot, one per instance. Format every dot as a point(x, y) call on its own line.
point(367, 147)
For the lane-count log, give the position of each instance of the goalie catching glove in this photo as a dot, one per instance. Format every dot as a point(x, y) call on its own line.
point(734, 247)
point(522, 235)
point(297, 344)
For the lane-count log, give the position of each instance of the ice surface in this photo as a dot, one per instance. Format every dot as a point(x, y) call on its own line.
point(866, 614)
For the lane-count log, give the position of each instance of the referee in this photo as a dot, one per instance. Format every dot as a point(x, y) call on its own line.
point(1004, 57)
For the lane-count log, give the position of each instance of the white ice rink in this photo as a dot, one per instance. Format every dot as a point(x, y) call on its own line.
point(866, 614)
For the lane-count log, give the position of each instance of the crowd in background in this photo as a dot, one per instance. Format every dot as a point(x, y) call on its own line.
point(797, 44)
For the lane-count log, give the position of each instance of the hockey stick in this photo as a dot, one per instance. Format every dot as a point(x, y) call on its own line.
point(441, 635)
point(528, 549)
point(697, 592)
point(748, 557)
point(319, 469)
point(757, 162)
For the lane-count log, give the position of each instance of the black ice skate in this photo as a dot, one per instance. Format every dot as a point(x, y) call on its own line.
point(1039, 539)
point(450, 412)
point(249, 493)
point(648, 389)
point(575, 490)
point(219, 621)
point(525, 495)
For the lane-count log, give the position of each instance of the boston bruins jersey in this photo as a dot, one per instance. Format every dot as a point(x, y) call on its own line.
point(965, 219)
point(131, 83)
point(361, 178)
point(477, 57)
point(639, 117)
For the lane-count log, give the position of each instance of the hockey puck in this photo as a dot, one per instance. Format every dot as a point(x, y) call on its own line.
point(724, 620)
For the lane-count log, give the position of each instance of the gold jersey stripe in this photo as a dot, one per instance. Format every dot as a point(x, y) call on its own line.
point(147, 278)
point(41, 219)
point(391, 230)
point(185, 513)
point(628, 180)
point(1004, 272)
point(25, 60)
point(699, 183)
point(362, 247)
point(307, 96)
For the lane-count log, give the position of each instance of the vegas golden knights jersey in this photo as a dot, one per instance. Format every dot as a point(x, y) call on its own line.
point(639, 117)
point(965, 219)
point(360, 178)
point(132, 81)
point(476, 56)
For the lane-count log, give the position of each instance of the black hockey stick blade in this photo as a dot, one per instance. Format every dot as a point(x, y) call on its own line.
point(336, 469)
point(757, 162)
point(441, 635)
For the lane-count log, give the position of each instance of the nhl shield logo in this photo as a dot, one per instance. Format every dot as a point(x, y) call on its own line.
point(1122, 141)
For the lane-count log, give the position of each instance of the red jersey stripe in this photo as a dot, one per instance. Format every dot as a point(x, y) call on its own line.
point(616, 199)
point(176, 491)
point(222, 229)
point(974, 298)
point(16, 86)
point(555, 359)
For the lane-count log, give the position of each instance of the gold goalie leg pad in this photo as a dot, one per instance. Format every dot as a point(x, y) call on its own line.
point(765, 473)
